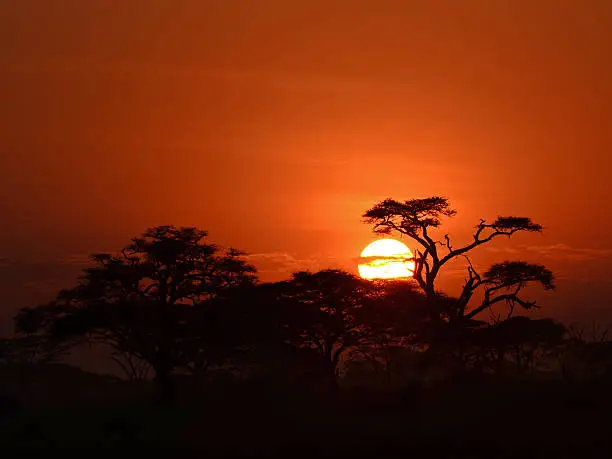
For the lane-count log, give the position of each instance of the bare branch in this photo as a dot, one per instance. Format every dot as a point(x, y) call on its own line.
point(415, 218)
point(448, 242)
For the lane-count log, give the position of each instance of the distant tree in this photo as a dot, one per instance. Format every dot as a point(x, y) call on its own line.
point(138, 301)
point(228, 332)
point(518, 344)
point(587, 356)
point(251, 331)
point(28, 348)
point(502, 283)
point(402, 331)
point(323, 311)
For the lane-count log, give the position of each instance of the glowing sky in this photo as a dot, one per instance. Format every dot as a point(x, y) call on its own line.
point(275, 124)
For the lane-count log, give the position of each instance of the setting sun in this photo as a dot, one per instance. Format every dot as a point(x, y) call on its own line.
point(386, 259)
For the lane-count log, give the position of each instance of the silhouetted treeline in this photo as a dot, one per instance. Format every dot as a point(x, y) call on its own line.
point(176, 310)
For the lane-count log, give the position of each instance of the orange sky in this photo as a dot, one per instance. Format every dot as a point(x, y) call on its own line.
point(274, 124)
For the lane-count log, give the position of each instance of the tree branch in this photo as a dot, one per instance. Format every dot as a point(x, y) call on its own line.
point(511, 298)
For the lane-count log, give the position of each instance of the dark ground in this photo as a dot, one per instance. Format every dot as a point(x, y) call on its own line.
point(77, 410)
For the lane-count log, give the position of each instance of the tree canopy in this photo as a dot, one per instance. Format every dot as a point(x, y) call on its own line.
point(142, 301)
point(417, 218)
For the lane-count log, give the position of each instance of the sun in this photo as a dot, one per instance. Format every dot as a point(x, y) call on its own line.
point(386, 259)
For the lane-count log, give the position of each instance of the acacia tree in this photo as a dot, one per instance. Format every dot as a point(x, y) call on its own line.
point(323, 312)
point(503, 282)
point(140, 300)
point(518, 343)
point(398, 328)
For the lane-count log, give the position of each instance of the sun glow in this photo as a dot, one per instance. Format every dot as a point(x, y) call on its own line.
point(386, 259)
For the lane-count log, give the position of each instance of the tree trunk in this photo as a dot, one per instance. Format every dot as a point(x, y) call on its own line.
point(332, 382)
point(163, 379)
point(330, 376)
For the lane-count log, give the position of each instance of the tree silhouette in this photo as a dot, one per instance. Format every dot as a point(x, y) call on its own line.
point(29, 347)
point(322, 312)
point(517, 343)
point(417, 218)
point(397, 320)
point(139, 300)
point(587, 356)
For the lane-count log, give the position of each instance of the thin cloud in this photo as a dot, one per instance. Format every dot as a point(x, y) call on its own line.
point(42, 263)
point(565, 252)
point(510, 250)
point(376, 258)
point(272, 261)
point(284, 262)
point(559, 251)
point(79, 259)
